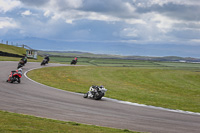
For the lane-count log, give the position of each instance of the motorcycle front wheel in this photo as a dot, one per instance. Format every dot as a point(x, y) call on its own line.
point(13, 80)
point(85, 95)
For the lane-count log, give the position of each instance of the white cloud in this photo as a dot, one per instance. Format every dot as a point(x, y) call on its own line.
point(47, 13)
point(26, 13)
point(164, 24)
point(63, 5)
point(129, 32)
point(74, 3)
point(69, 21)
point(196, 41)
point(8, 5)
point(6, 22)
point(134, 21)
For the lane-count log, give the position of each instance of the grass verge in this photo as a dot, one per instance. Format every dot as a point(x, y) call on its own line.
point(18, 123)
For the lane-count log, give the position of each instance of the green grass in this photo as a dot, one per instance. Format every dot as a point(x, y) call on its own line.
point(15, 50)
point(18, 123)
point(158, 86)
point(12, 49)
point(104, 62)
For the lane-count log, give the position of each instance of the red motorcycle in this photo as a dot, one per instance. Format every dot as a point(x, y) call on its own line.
point(15, 76)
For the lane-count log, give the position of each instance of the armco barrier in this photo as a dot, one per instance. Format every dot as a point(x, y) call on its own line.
point(10, 54)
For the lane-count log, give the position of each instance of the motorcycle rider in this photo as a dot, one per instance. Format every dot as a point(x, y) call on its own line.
point(19, 71)
point(23, 60)
point(76, 59)
point(93, 89)
point(95, 92)
point(47, 58)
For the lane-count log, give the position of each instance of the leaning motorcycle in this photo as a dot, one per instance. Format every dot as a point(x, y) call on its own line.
point(20, 64)
point(73, 62)
point(44, 62)
point(95, 92)
point(15, 76)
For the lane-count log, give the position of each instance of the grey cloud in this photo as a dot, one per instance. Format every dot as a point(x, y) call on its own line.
point(185, 34)
point(118, 8)
point(175, 11)
point(35, 2)
point(109, 7)
point(102, 5)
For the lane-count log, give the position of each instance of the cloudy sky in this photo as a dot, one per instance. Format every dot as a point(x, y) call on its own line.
point(124, 27)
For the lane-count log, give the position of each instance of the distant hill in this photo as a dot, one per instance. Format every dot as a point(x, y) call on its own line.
point(91, 55)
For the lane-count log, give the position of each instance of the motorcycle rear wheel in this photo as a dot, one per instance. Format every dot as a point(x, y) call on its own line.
point(99, 96)
point(19, 81)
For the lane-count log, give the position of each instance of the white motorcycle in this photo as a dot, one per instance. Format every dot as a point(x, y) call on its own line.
point(95, 92)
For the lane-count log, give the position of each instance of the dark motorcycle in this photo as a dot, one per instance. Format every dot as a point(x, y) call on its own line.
point(95, 92)
point(44, 62)
point(20, 64)
point(73, 62)
point(15, 76)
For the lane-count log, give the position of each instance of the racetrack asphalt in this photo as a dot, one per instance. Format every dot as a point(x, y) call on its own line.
point(39, 100)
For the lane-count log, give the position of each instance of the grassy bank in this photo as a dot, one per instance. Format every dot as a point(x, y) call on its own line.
point(12, 49)
point(15, 50)
point(169, 88)
point(18, 123)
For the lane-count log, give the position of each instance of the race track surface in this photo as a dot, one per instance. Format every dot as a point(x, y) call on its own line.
point(34, 99)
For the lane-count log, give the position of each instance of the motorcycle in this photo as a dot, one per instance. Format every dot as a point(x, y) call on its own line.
point(95, 92)
point(44, 62)
point(73, 62)
point(15, 76)
point(20, 64)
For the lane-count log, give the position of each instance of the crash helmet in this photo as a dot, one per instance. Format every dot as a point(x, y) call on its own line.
point(101, 86)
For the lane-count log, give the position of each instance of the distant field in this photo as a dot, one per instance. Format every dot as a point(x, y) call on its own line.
point(78, 54)
point(163, 84)
point(126, 63)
